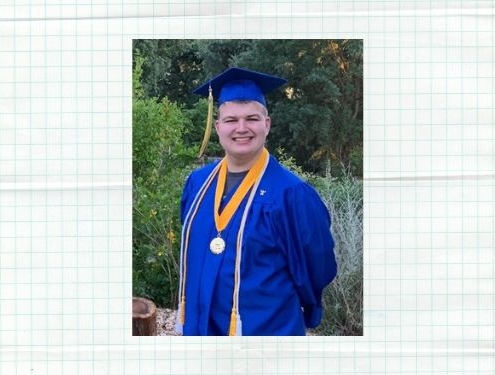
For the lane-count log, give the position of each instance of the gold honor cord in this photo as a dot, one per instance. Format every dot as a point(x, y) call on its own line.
point(221, 221)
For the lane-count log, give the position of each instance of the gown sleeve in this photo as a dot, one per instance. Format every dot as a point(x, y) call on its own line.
point(185, 198)
point(303, 224)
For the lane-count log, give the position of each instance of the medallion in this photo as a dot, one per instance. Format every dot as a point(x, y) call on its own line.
point(217, 245)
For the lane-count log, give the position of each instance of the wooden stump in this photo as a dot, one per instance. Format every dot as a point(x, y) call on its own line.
point(143, 317)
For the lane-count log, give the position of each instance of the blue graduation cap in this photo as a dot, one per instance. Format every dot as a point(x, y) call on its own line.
point(240, 84)
point(235, 84)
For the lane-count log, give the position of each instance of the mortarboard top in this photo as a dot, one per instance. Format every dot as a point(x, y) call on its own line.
point(240, 84)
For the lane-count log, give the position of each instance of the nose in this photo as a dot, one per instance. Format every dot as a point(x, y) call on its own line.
point(241, 125)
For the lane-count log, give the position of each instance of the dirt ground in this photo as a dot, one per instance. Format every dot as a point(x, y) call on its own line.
point(165, 321)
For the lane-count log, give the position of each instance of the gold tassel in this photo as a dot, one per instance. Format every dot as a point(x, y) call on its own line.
point(182, 311)
point(209, 121)
point(233, 323)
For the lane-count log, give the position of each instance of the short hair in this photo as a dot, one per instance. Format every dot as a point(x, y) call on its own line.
point(263, 108)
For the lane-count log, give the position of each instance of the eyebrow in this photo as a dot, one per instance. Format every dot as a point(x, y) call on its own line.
point(234, 117)
point(229, 117)
point(257, 115)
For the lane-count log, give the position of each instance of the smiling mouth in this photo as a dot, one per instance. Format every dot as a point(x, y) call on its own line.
point(242, 139)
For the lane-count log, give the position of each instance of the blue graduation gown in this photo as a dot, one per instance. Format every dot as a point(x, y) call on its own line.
point(287, 258)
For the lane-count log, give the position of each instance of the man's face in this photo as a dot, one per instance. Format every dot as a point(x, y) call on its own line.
point(242, 128)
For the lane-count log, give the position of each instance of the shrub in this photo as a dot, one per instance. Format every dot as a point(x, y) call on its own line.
point(156, 236)
point(160, 166)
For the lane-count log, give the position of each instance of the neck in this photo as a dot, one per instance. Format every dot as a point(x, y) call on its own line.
point(236, 164)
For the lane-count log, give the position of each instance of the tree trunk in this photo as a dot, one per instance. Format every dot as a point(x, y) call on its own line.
point(143, 317)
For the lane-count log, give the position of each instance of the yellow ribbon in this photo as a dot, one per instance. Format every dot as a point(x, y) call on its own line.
point(222, 220)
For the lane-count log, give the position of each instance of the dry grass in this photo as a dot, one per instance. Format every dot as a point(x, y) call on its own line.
point(343, 299)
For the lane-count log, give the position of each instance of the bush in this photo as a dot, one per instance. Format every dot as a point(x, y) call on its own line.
point(156, 237)
point(160, 166)
point(356, 161)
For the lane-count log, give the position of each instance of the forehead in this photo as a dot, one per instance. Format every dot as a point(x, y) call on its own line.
point(237, 108)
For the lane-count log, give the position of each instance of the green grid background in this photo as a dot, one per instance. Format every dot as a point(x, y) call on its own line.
point(66, 189)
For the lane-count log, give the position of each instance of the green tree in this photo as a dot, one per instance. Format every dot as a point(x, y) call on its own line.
point(317, 117)
point(172, 68)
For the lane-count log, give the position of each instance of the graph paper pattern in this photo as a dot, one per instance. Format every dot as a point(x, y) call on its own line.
point(66, 187)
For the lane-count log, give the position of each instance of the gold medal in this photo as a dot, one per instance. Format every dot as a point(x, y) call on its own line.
point(217, 245)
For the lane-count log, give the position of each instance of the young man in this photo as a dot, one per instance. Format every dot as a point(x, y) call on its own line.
point(256, 244)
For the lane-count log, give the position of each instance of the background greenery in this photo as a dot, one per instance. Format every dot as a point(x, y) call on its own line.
point(316, 131)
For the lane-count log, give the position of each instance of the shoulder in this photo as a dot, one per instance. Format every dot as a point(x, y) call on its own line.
point(199, 175)
point(193, 184)
point(292, 200)
point(280, 186)
point(284, 180)
point(277, 174)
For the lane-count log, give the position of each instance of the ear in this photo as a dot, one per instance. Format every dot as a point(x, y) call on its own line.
point(216, 125)
point(268, 123)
